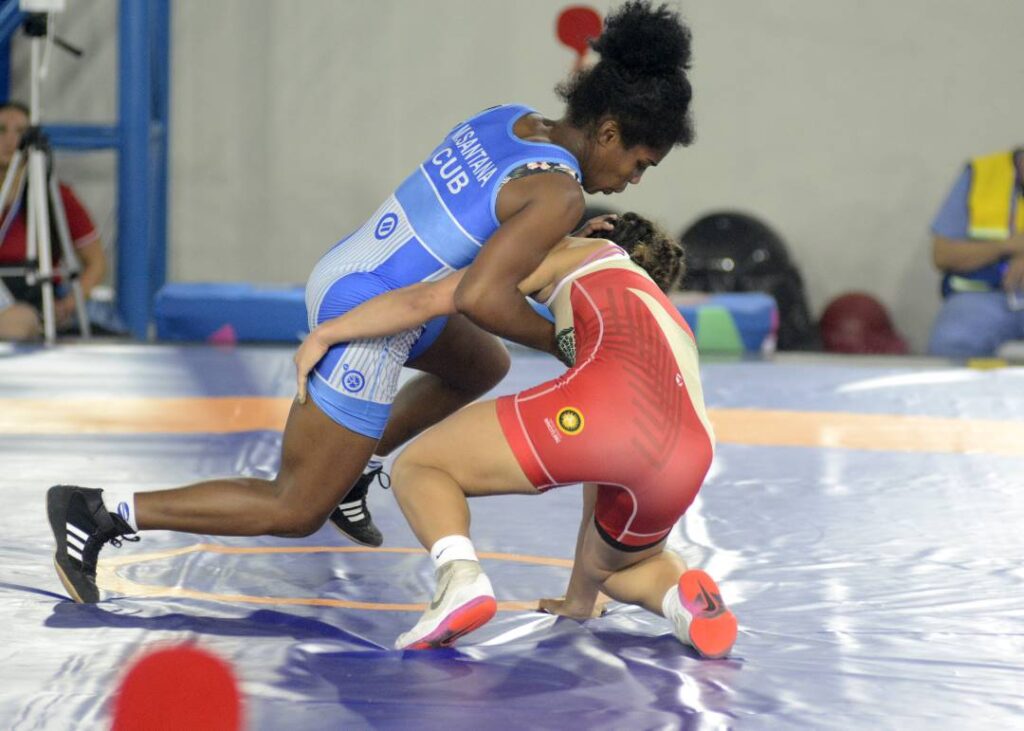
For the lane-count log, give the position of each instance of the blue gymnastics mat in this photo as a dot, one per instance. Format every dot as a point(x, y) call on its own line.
point(862, 518)
point(742, 322)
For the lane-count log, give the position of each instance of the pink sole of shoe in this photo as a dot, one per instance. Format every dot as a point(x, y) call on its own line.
point(713, 628)
point(463, 620)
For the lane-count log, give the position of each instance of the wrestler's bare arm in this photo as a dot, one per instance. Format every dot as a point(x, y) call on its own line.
point(408, 307)
point(582, 599)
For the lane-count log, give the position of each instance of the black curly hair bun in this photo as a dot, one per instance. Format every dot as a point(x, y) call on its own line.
point(640, 81)
point(645, 39)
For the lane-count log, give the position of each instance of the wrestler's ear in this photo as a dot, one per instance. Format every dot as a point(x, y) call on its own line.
point(608, 134)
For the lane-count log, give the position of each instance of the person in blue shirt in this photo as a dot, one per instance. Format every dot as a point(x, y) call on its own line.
point(978, 245)
point(499, 191)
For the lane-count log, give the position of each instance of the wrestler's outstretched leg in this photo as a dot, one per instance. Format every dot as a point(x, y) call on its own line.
point(319, 461)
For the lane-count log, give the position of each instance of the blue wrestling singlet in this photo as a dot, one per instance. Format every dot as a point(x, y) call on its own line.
point(433, 224)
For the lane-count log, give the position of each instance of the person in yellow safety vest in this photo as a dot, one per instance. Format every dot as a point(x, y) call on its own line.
point(978, 245)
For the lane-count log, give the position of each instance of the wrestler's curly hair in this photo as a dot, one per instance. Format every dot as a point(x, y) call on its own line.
point(640, 80)
point(649, 247)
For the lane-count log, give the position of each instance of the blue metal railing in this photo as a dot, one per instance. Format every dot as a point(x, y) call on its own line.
point(11, 18)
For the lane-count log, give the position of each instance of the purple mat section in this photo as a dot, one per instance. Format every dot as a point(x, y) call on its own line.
point(874, 589)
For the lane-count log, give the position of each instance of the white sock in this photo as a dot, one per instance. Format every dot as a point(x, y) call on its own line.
point(375, 463)
point(674, 612)
point(122, 502)
point(452, 548)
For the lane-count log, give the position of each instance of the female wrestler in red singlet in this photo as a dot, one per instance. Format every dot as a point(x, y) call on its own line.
point(627, 420)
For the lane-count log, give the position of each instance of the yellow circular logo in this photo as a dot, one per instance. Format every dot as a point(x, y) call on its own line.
point(570, 421)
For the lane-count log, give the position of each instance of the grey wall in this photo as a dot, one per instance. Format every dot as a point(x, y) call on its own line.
point(840, 123)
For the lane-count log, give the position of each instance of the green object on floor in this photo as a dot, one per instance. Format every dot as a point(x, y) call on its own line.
point(717, 331)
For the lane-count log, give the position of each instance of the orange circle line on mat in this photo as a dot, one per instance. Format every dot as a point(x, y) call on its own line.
point(108, 577)
point(229, 414)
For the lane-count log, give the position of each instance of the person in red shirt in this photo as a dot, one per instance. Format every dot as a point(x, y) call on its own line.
point(20, 304)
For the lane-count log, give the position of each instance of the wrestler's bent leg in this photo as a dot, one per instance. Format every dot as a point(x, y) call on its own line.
point(659, 581)
point(465, 455)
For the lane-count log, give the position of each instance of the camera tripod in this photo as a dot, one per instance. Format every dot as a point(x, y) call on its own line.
point(31, 171)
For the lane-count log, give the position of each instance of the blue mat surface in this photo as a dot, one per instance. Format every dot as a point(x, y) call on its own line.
point(876, 587)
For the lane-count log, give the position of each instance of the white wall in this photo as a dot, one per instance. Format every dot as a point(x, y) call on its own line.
point(840, 123)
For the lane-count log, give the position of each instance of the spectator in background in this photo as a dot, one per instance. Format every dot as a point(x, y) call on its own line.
point(978, 244)
point(21, 304)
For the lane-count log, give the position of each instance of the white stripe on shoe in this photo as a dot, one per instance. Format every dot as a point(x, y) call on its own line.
point(77, 531)
point(76, 540)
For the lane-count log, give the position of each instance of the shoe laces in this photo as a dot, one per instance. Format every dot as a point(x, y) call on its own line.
point(362, 486)
point(116, 541)
point(121, 532)
point(91, 552)
point(382, 477)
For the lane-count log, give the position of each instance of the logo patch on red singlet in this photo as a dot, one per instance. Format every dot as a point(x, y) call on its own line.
point(570, 421)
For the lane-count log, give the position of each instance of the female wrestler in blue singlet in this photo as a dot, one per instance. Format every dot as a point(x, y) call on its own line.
point(497, 194)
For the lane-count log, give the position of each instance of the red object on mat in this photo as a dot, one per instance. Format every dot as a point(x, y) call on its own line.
point(576, 25)
point(178, 687)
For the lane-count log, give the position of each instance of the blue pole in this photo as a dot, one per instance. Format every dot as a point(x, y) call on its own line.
point(161, 113)
point(11, 19)
point(5, 70)
point(134, 180)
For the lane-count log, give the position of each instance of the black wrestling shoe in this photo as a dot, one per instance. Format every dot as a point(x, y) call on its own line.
point(352, 518)
point(81, 525)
